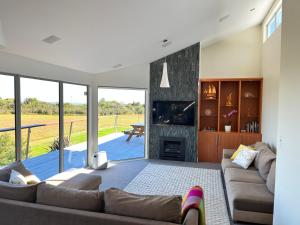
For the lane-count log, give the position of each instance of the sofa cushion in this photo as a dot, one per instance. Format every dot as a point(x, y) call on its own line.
point(25, 193)
point(19, 167)
point(242, 175)
point(265, 159)
point(69, 198)
point(161, 208)
point(259, 146)
point(227, 163)
point(75, 179)
point(271, 177)
point(250, 197)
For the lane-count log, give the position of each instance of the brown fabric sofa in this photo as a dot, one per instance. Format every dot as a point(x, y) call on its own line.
point(251, 192)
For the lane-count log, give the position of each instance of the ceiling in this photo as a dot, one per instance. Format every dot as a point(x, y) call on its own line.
point(96, 35)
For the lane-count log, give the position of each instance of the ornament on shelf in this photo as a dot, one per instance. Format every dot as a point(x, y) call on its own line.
point(208, 112)
point(229, 100)
point(210, 92)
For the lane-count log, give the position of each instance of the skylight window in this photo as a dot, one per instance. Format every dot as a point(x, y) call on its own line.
point(275, 22)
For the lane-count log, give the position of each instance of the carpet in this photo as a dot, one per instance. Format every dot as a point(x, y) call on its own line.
point(157, 179)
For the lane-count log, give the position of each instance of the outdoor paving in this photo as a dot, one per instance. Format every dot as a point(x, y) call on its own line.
point(115, 145)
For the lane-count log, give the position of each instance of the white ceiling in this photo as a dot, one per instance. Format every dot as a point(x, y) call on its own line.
point(98, 34)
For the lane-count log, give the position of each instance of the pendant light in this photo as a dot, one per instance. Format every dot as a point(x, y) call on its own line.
point(164, 79)
point(2, 38)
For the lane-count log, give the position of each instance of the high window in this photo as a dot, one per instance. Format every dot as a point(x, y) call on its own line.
point(275, 22)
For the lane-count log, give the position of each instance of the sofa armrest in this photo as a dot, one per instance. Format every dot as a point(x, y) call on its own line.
point(227, 153)
point(192, 217)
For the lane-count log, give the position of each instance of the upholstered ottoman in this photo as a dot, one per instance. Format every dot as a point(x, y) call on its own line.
point(76, 179)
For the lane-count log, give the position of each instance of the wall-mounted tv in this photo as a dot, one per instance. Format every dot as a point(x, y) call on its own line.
point(173, 113)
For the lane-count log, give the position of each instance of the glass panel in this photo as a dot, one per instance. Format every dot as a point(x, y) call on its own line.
point(121, 123)
point(7, 120)
point(40, 126)
point(271, 27)
point(279, 17)
point(75, 126)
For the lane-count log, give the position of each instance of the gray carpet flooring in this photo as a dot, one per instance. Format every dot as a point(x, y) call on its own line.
point(120, 174)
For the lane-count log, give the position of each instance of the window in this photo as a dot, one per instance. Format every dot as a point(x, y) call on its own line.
point(40, 126)
point(7, 120)
point(33, 115)
point(75, 126)
point(275, 22)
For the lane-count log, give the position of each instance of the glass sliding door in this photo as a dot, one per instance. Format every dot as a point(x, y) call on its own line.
point(7, 120)
point(75, 126)
point(40, 126)
point(121, 123)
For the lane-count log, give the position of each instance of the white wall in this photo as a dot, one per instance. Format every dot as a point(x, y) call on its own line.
point(134, 77)
point(287, 194)
point(236, 56)
point(271, 52)
point(20, 65)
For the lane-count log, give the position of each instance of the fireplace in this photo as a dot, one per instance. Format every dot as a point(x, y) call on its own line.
point(172, 148)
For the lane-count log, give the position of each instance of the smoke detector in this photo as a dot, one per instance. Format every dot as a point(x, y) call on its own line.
point(165, 43)
point(51, 39)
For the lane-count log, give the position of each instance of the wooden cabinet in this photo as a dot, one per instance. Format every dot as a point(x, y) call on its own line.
point(228, 102)
point(227, 140)
point(211, 144)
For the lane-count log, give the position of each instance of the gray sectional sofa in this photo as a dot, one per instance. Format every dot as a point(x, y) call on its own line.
point(251, 192)
point(60, 201)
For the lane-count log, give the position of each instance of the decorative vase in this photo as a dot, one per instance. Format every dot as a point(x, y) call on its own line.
point(227, 128)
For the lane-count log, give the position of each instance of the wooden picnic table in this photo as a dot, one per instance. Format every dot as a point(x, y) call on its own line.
point(138, 129)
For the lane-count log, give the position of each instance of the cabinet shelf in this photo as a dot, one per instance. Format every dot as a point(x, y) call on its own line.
point(243, 95)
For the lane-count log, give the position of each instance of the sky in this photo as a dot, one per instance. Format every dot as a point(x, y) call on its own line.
point(47, 91)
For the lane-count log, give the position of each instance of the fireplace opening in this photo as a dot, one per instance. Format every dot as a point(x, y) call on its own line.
point(172, 148)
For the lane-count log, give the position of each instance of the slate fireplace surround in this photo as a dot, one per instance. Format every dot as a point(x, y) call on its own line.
point(183, 72)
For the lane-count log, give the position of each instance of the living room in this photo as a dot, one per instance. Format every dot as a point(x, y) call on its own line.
point(159, 112)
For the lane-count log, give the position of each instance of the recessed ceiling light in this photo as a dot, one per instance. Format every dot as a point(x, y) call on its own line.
point(117, 66)
point(224, 18)
point(253, 9)
point(51, 39)
point(165, 43)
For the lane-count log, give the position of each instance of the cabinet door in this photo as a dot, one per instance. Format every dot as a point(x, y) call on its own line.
point(227, 140)
point(208, 147)
point(250, 138)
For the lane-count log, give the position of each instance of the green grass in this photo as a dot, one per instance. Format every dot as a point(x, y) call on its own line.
point(43, 137)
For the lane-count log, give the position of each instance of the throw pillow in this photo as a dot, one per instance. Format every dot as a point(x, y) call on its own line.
point(241, 147)
point(161, 208)
point(17, 178)
point(245, 158)
point(19, 167)
point(25, 193)
point(69, 198)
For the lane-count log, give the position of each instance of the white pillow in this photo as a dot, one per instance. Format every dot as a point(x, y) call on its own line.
point(245, 158)
point(17, 178)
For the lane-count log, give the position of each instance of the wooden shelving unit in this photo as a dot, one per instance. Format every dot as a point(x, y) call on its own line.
point(234, 102)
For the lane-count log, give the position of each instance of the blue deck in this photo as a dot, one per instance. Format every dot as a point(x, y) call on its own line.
point(46, 165)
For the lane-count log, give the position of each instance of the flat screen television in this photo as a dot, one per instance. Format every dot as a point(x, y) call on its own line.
point(173, 113)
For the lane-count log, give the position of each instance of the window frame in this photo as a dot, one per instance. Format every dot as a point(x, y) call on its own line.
point(17, 96)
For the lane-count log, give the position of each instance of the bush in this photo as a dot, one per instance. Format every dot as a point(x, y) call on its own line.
point(55, 145)
point(7, 149)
